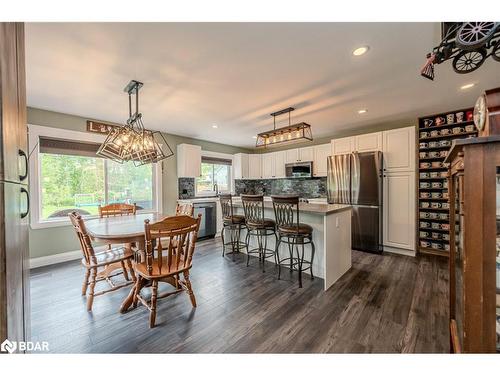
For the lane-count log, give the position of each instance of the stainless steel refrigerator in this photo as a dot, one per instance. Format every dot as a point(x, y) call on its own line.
point(356, 179)
point(14, 197)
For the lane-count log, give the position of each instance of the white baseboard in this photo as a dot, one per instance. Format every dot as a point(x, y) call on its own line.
point(396, 250)
point(54, 259)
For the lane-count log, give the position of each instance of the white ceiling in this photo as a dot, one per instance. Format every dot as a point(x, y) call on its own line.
point(235, 74)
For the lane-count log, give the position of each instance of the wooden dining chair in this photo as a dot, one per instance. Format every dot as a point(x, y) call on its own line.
point(184, 209)
point(99, 264)
point(118, 209)
point(166, 264)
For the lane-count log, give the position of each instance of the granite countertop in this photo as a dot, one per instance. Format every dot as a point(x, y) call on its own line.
point(312, 208)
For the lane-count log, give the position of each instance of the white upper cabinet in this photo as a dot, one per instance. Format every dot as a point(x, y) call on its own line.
point(292, 156)
point(254, 166)
point(343, 145)
point(240, 166)
point(279, 164)
point(321, 154)
point(368, 142)
point(188, 160)
point(399, 149)
point(268, 165)
point(306, 154)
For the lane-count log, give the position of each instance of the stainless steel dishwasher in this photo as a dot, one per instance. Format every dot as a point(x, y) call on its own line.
point(208, 225)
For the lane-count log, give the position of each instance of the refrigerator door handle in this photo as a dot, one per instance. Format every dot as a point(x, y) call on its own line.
point(24, 214)
point(23, 177)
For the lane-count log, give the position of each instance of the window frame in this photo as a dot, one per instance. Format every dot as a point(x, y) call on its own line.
point(34, 134)
point(218, 155)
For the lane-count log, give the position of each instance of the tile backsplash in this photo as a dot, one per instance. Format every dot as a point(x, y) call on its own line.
point(186, 188)
point(304, 187)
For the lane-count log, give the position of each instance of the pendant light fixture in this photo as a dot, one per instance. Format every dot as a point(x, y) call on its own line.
point(289, 134)
point(133, 142)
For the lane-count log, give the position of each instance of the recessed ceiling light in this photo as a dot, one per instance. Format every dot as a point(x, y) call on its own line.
point(360, 51)
point(467, 86)
point(254, 137)
point(361, 111)
point(214, 126)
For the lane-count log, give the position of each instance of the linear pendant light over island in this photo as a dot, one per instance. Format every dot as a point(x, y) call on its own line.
point(287, 134)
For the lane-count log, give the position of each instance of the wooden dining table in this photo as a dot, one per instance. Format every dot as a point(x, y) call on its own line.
point(122, 230)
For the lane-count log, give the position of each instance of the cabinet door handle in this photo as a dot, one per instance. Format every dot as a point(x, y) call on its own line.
point(25, 175)
point(24, 214)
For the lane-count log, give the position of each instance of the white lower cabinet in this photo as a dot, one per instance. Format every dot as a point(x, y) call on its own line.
point(399, 210)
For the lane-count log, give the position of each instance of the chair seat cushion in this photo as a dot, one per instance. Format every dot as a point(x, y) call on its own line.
point(236, 219)
point(292, 229)
point(267, 223)
point(108, 256)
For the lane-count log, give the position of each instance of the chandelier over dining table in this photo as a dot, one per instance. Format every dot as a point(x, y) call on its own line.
point(132, 141)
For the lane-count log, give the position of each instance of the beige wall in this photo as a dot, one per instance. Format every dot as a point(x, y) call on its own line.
point(56, 240)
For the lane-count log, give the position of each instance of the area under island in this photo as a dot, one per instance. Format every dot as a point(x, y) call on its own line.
point(331, 236)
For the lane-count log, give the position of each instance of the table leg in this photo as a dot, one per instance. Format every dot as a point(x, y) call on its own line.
point(130, 298)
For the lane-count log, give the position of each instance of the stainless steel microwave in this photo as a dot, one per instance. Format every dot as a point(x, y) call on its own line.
point(296, 170)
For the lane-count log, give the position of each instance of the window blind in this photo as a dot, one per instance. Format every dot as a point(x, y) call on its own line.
point(66, 147)
point(212, 160)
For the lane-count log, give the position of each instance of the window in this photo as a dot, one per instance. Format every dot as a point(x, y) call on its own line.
point(215, 176)
point(68, 175)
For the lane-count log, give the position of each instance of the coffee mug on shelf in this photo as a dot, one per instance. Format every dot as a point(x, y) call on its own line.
point(444, 174)
point(445, 226)
point(424, 215)
point(423, 234)
point(445, 195)
point(436, 235)
point(434, 174)
point(433, 215)
point(424, 134)
point(450, 118)
point(425, 165)
point(425, 185)
point(435, 133)
point(425, 194)
point(436, 195)
point(436, 226)
point(440, 120)
point(443, 153)
point(445, 205)
point(436, 164)
point(444, 142)
point(457, 130)
point(423, 145)
point(436, 205)
point(443, 216)
point(425, 243)
point(470, 128)
point(469, 116)
point(423, 155)
point(445, 131)
point(446, 236)
point(437, 185)
point(428, 122)
point(424, 204)
point(446, 247)
point(425, 224)
point(459, 116)
point(437, 246)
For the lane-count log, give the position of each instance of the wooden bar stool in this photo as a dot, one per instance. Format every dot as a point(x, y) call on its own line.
point(233, 223)
point(294, 233)
point(258, 226)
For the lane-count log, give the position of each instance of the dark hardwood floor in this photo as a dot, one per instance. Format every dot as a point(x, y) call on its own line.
point(384, 304)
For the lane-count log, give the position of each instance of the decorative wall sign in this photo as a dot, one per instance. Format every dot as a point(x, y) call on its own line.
point(100, 127)
point(469, 44)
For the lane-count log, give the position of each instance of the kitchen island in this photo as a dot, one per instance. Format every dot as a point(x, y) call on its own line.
point(331, 236)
